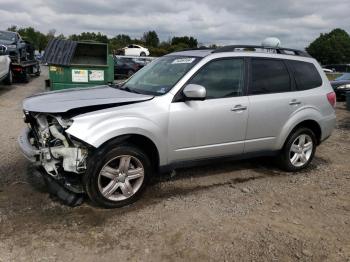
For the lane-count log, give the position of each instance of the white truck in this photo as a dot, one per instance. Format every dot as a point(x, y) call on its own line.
point(5, 66)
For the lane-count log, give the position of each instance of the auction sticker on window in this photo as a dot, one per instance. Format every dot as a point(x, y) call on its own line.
point(79, 75)
point(97, 75)
point(187, 60)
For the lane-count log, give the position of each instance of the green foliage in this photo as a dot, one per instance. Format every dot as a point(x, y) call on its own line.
point(331, 48)
point(190, 42)
point(149, 39)
point(90, 36)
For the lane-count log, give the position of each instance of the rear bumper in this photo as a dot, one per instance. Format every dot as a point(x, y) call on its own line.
point(29, 151)
point(327, 126)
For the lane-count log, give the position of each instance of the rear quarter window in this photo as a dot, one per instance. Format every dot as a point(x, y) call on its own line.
point(306, 75)
point(269, 76)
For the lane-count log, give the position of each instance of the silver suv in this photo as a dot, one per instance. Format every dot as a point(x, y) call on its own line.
point(181, 109)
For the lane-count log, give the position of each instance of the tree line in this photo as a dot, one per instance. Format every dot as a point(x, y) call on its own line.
point(331, 48)
point(149, 39)
point(328, 48)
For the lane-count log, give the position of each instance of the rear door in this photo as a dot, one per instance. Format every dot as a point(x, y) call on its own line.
point(271, 102)
point(133, 50)
point(217, 125)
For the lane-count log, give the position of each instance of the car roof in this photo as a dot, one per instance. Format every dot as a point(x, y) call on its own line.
point(245, 50)
point(194, 52)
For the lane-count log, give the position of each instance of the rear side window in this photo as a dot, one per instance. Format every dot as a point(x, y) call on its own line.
point(306, 75)
point(269, 76)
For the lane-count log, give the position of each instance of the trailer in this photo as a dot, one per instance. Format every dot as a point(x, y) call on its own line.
point(23, 70)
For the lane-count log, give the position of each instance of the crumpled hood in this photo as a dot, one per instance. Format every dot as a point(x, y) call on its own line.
point(78, 98)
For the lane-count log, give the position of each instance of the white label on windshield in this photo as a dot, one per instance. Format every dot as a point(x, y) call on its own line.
point(183, 61)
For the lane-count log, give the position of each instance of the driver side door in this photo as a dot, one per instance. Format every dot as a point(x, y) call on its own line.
point(217, 125)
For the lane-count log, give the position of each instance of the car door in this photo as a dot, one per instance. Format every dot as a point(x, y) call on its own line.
point(215, 126)
point(133, 50)
point(271, 102)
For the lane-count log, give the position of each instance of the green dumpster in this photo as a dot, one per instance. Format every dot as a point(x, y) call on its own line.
point(78, 64)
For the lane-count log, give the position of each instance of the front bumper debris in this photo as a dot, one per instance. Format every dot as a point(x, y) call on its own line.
point(57, 189)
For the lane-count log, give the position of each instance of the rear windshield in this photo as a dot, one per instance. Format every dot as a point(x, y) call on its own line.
point(306, 75)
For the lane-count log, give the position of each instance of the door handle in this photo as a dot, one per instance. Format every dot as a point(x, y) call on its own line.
point(238, 108)
point(294, 102)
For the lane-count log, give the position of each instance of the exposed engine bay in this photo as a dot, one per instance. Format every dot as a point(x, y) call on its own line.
point(57, 152)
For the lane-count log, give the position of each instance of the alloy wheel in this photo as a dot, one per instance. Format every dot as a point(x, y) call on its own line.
point(121, 178)
point(301, 150)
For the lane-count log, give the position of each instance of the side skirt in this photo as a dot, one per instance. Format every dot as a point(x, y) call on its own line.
point(210, 161)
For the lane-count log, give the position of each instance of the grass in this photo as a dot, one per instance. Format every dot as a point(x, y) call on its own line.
point(332, 76)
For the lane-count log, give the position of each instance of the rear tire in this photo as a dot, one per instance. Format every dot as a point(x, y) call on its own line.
point(299, 150)
point(25, 77)
point(117, 175)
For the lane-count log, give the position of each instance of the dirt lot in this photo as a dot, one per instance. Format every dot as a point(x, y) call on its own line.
point(240, 211)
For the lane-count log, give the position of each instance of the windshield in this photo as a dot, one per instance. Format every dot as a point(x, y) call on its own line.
point(158, 77)
point(344, 77)
point(8, 36)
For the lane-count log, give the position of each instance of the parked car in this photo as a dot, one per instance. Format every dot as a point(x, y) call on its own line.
point(143, 60)
point(341, 85)
point(342, 68)
point(183, 109)
point(5, 66)
point(327, 70)
point(134, 50)
point(126, 66)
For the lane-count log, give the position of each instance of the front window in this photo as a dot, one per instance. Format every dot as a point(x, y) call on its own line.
point(158, 77)
point(221, 78)
point(8, 36)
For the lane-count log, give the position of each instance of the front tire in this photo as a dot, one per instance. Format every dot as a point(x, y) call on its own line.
point(299, 150)
point(143, 54)
point(9, 78)
point(117, 175)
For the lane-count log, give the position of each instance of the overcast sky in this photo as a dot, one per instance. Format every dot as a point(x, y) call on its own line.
point(294, 22)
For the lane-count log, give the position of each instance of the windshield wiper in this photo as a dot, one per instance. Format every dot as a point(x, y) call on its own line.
point(129, 90)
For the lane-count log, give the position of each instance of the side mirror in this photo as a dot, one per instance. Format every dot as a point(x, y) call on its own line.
point(3, 50)
point(195, 92)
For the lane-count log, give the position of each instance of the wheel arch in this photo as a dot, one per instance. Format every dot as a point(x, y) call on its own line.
point(313, 126)
point(304, 118)
point(142, 142)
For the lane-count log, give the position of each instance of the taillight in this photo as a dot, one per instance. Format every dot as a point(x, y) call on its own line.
point(332, 99)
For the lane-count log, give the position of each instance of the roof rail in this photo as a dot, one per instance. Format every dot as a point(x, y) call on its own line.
point(278, 50)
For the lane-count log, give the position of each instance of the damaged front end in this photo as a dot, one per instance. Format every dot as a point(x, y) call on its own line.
point(59, 157)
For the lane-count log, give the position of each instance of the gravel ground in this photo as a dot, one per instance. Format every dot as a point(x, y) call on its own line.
point(237, 211)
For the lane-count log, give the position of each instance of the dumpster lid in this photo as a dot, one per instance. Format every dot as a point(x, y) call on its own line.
point(59, 52)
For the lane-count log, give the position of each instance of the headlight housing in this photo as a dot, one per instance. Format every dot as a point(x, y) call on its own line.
point(11, 46)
